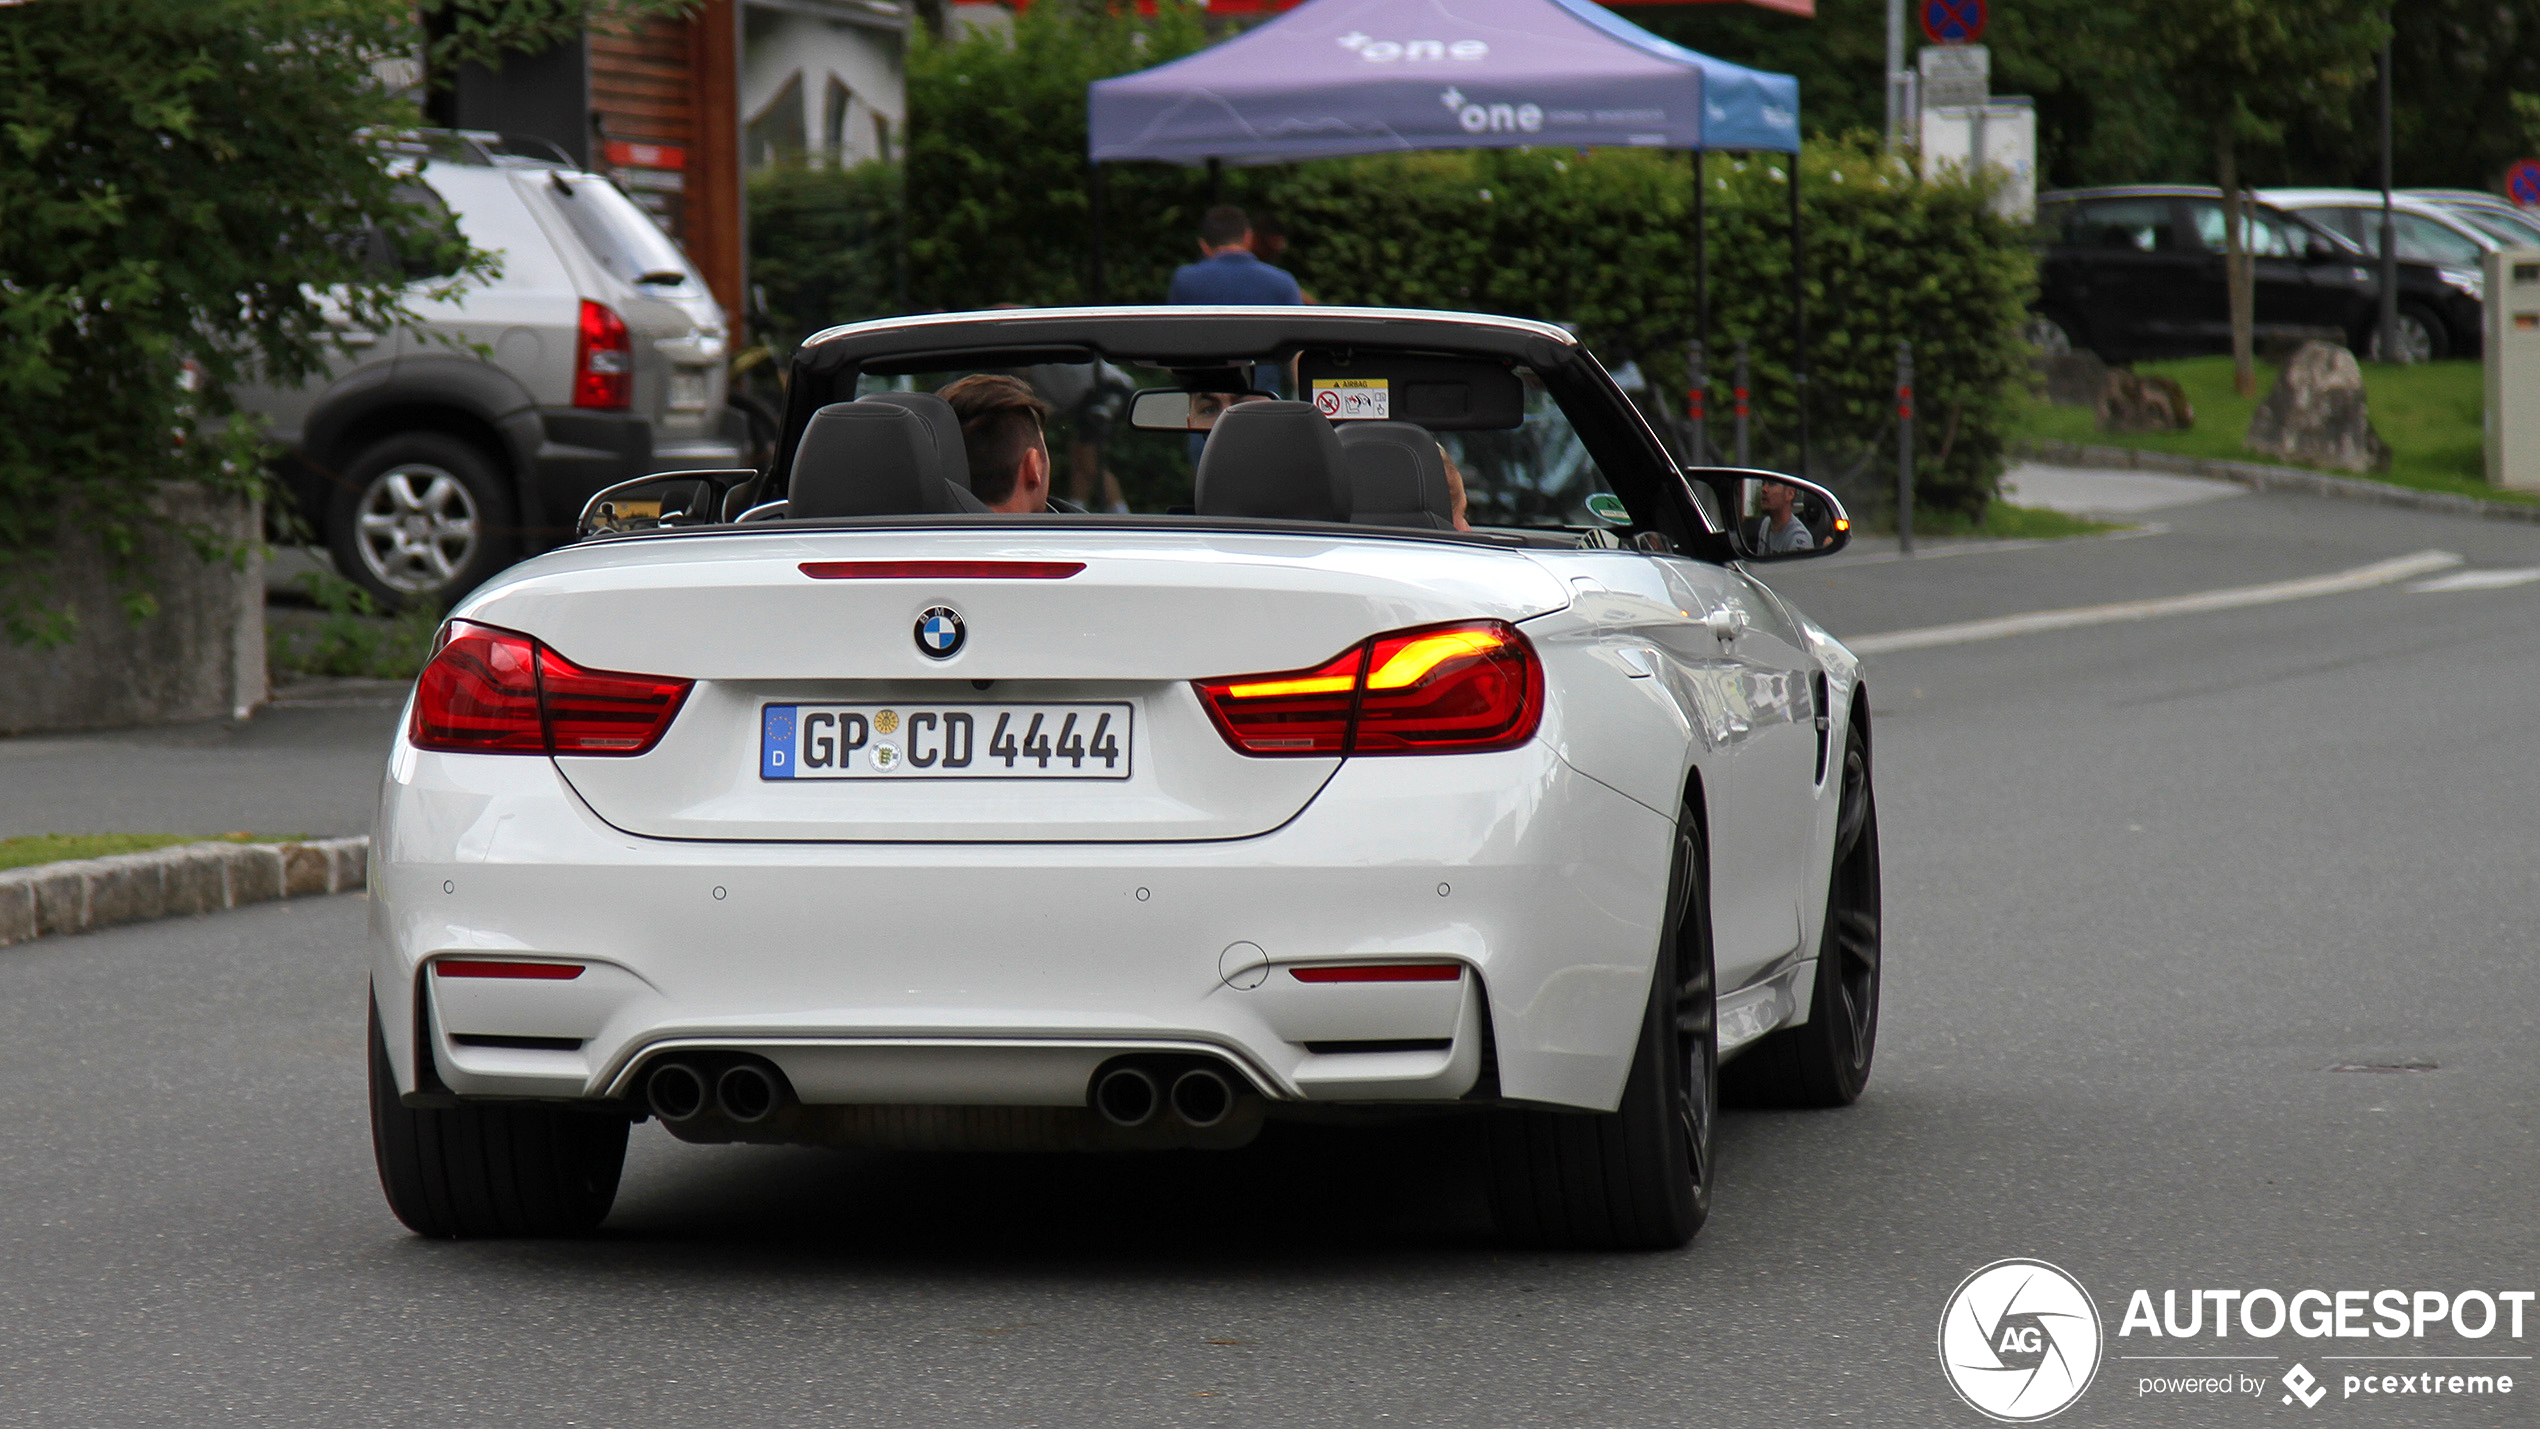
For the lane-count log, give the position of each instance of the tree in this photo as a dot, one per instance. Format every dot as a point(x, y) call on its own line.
point(2246, 70)
point(181, 186)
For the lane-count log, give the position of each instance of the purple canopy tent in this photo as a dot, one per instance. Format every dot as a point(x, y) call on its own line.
point(1343, 77)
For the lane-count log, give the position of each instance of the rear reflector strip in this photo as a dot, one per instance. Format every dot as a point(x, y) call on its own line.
point(476, 967)
point(518, 1044)
point(1382, 972)
point(941, 570)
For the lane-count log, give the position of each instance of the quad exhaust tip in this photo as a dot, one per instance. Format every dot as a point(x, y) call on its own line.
point(745, 1092)
point(676, 1091)
point(1202, 1097)
point(1126, 1096)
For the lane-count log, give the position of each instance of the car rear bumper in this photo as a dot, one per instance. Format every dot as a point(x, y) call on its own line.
point(1003, 974)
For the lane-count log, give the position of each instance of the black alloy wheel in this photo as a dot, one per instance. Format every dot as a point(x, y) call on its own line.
point(1825, 1061)
point(1639, 1177)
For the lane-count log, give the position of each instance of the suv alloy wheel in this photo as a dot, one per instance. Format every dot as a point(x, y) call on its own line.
point(422, 516)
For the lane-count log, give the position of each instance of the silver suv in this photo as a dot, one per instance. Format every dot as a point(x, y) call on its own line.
point(429, 459)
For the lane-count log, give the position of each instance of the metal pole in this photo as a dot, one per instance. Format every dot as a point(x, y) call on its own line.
point(1094, 195)
point(1895, 69)
point(1904, 448)
point(1701, 257)
point(2389, 241)
point(1697, 397)
point(1798, 318)
point(1216, 180)
point(1739, 391)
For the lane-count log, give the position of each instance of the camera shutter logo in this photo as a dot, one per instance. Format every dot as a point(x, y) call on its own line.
point(2020, 1340)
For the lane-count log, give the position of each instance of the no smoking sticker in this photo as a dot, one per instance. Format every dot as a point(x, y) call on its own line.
point(1353, 399)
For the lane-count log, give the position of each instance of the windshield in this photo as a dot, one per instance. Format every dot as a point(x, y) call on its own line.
point(619, 235)
point(1533, 473)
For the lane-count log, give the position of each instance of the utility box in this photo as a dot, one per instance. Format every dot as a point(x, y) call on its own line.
point(2000, 135)
point(2513, 369)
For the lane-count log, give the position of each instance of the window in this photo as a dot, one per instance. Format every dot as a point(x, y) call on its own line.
point(621, 237)
point(2139, 225)
point(2505, 228)
point(2267, 235)
point(2421, 239)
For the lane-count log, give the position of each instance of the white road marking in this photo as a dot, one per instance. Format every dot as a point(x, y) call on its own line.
point(2474, 580)
point(2379, 573)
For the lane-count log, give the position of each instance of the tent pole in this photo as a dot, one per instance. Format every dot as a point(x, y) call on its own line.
point(1700, 377)
point(1094, 194)
point(1798, 317)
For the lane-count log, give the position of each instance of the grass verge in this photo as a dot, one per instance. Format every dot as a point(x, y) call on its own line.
point(2432, 415)
point(2004, 522)
point(32, 849)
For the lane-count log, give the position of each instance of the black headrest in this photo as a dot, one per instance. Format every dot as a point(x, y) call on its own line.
point(943, 421)
point(1397, 477)
point(1276, 459)
point(873, 459)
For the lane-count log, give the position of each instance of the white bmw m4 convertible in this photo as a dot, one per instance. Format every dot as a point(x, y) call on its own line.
point(1431, 750)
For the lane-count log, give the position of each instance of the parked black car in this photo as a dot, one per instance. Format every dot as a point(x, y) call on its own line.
point(2137, 272)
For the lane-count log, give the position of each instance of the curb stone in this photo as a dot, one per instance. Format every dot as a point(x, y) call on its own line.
point(51, 899)
point(2261, 477)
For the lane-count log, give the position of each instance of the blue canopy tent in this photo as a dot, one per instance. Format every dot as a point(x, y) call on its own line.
point(1333, 78)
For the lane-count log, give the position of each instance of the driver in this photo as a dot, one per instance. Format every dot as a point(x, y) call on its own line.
point(1009, 454)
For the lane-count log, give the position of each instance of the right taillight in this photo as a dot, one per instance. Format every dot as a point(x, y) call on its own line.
point(603, 359)
point(490, 691)
point(1440, 689)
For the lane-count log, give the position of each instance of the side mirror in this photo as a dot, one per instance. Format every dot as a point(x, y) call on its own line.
point(1771, 516)
point(668, 498)
point(2320, 250)
point(1172, 409)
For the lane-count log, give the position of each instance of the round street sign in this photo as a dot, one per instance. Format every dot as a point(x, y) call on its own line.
point(2522, 181)
point(1953, 22)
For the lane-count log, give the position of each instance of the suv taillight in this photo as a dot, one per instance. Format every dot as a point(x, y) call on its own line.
point(489, 691)
point(1440, 689)
point(603, 359)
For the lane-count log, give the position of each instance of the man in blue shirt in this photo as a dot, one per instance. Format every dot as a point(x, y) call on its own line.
point(1227, 272)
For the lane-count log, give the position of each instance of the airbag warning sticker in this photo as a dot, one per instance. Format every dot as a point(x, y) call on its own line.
point(1353, 399)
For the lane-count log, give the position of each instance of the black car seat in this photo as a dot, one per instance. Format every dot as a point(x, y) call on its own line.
point(1397, 476)
point(876, 458)
point(939, 416)
point(1272, 459)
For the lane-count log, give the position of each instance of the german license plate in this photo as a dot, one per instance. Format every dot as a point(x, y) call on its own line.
point(931, 741)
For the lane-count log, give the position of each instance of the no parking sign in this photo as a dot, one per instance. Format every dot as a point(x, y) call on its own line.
point(1953, 22)
point(2522, 181)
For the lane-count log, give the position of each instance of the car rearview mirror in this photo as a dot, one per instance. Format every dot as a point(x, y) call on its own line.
point(1174, 409)
point(1771, 516)
point(668, 498)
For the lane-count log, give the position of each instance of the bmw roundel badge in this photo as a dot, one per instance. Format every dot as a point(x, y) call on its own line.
point(939, 632)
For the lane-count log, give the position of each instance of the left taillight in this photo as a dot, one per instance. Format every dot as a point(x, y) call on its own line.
point(603, 359)
point(1439, 689)
point(491, 691)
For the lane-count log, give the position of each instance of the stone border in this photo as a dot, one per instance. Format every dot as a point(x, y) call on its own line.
point(50, 899)
point(2262, 477)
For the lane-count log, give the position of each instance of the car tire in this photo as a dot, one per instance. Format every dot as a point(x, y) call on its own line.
point(1638, 1177)
point(474, 1171)
point(1825, 1061)
point(421, 518)
point(2422, 336)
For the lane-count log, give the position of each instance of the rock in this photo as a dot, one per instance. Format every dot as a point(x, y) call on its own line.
point(2073, 379)
point(2131, 402)
point(2315, 413)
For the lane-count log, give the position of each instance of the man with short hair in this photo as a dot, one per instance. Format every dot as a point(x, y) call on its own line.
point(1001, 428)
point(1228, 271)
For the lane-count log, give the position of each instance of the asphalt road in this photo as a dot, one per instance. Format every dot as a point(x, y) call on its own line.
point(2146, 883)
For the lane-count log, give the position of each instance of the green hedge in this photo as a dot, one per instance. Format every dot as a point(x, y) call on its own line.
point(997, 204)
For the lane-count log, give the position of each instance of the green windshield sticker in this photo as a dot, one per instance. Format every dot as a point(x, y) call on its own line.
point(1608, 506)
